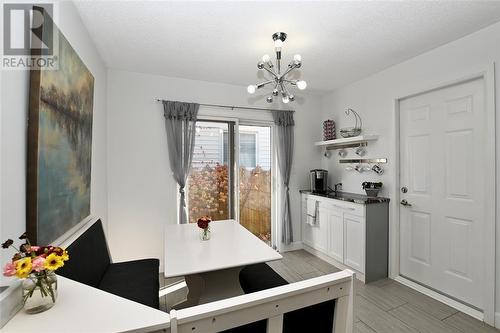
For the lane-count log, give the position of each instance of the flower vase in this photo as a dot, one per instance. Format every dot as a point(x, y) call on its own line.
point(39, 291)
point(205, 234)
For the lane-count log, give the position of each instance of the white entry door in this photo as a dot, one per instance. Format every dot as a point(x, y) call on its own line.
point(442, 213)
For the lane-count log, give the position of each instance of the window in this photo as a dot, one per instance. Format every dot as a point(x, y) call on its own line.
point(248, 150)
point(210, 183)
point(214, 173)
point(225, 150)
point(255, 180)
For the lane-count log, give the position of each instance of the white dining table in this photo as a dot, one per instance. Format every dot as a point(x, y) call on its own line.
point(83, 309)
point(211, 267)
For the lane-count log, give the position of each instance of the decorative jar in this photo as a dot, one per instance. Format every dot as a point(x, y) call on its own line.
point(329, 130)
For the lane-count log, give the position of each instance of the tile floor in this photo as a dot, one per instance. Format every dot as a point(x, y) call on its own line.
point(384, 306)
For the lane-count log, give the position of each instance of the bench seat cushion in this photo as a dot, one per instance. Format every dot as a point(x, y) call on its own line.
point(89, 257)
point(317, 318)
point(136, 280)
point(259, 277)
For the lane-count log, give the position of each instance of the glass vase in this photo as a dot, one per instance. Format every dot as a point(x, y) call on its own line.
point(39, 291)
point(205, 234)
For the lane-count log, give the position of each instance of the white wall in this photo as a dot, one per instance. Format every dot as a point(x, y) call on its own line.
point(141, 190)
point(14, 110)
point(373, 98)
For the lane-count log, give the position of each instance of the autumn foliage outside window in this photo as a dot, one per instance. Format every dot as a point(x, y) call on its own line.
point(208, 195)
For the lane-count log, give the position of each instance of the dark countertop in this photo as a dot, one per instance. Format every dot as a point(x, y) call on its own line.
point(349, 197)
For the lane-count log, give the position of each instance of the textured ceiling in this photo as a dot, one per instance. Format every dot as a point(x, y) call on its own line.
point(340, 41)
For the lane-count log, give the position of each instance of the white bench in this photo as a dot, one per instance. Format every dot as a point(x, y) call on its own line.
point(272, 304)
point(110, 313)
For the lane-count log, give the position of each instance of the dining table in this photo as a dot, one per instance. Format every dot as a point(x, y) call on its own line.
point(211, 267)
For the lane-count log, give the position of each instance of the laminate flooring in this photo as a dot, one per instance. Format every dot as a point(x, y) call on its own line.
point(385, 306)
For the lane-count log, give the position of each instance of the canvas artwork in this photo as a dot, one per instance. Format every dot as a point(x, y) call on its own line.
point(59, 146)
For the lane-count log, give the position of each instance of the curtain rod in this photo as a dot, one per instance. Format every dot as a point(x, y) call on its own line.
point(232, 107)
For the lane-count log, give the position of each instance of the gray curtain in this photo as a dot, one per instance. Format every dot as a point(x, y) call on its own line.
point(180, 121)
point(284, 124)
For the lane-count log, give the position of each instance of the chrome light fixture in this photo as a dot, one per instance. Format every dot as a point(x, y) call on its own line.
point(281, 83)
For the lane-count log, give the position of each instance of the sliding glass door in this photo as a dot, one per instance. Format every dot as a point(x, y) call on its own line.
point(255, 180)
point(211, 182)
point(231, 175)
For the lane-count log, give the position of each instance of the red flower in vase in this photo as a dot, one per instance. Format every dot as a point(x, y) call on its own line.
point(204, 221)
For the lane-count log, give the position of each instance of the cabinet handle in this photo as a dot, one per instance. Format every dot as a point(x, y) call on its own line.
point(347, 208)
point(311, 216)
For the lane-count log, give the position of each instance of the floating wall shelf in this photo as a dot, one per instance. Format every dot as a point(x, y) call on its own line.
point(346, 142)
point(364, 160)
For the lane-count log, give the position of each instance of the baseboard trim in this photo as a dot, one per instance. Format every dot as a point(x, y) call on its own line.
point(294, 246)
point(442, 298)
point(497, 319)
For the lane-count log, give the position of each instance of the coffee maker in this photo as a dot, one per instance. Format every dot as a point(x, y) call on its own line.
point(319, 180)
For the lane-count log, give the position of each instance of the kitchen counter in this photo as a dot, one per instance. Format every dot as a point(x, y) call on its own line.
point(349, 197)
point(347, 230)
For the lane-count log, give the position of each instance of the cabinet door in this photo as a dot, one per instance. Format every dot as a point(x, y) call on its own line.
point(319, 232)
point(336, 235)
point(354, 246)
point(306, 228)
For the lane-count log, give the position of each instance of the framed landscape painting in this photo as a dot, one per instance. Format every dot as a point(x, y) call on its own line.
point(59, 145)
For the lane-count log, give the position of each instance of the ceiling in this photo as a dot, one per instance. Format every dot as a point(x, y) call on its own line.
point(340, 41)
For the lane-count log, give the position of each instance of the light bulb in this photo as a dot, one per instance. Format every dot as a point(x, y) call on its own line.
point(278, 43)
point(291, 97)
point(269, 99)
point(301, 84)
point(266, 58)
point(251, 89)
point(285, 99)
point(297, 58)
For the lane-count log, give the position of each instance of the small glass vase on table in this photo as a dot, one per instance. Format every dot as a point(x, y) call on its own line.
point(204, 225)
point(35, 266)
point(39, 291)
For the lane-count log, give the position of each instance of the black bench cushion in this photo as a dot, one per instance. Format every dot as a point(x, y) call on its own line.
point(90, 264)
point(318, 317)
point(259, 277)
point(135, 280)
point(89, 257)
point(256, 327)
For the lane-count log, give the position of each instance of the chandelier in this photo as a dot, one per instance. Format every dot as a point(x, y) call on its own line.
point(279, 79)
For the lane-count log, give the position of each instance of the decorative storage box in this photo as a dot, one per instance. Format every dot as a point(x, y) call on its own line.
point(328, 130)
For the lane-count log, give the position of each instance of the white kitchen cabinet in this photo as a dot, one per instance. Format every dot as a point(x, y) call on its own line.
point(336, 234)
point(315, 236)
point(306, 229)
point(354, 235)
point(320, 232)
point(350, 235)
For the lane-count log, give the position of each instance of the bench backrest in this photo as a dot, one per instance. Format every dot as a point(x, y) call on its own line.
point(89, 257)
point(271, 305)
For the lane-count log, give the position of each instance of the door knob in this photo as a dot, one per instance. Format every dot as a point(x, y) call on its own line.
point(405, 203)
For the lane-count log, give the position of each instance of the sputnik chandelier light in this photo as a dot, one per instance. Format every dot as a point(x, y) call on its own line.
point(280, 81)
